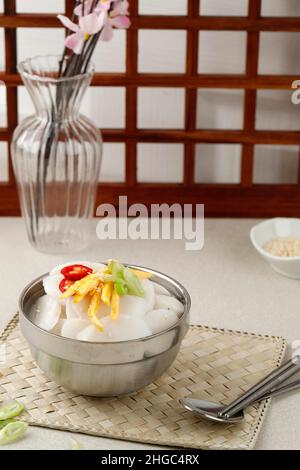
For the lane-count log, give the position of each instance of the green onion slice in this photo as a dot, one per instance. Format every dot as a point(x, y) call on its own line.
point(6, 422)
point(125, 281)
point(121, 288)
point(11, 410)
point(76, 445)
point(133, 283)
point(12, 432)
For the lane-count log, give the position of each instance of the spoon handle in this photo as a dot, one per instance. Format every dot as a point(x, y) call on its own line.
point(281, 390)
point(275, 378)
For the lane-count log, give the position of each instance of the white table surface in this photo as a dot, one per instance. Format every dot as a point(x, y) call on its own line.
point(230, 286)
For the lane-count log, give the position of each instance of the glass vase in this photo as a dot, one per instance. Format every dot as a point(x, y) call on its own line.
point(56, 155)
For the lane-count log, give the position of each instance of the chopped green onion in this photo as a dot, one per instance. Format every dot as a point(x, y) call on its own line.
point(125, 281)
point(12, 432)
point(10, 411)
point(133, 283)
point(121, 288)
point(116, 270)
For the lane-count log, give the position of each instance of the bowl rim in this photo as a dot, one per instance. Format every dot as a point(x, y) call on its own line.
point(261, 250)
point(173, 281)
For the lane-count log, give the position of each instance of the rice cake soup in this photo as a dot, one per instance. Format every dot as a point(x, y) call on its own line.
point(104, 303)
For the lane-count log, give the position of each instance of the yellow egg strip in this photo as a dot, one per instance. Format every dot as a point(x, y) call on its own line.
point(91, 283)
point(74, 288)
point(141, 274)
point(78, 298)
point(107, 292)
point(93, 309)
point(115, 305)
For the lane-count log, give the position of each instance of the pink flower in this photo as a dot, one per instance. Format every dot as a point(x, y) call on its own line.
point(79, 11)
point(120, 8)
point(88, 25)
point(102, 5)
point(117, 18)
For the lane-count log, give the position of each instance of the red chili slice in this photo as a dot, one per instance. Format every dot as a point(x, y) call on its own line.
point(65, 284)
point(76, 272)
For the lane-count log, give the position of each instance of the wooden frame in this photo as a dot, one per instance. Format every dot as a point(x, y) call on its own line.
point(231, 200)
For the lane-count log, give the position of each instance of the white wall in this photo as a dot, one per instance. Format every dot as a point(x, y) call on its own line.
point(163, 108)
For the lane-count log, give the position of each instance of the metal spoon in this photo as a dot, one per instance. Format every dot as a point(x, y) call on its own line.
point(233, 413)
point(197, 405)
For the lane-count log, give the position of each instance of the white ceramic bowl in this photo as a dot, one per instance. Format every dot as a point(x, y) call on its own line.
point(273, 228)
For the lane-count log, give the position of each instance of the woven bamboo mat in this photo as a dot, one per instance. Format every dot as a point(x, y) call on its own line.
point(213, 364)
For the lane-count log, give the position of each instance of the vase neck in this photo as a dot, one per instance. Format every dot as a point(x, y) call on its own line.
point(55, 98)
point(57, 101)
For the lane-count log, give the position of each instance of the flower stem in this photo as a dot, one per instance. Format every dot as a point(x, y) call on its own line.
point(69, 65)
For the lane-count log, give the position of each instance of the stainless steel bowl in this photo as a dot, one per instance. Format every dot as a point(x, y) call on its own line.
point(103, 369)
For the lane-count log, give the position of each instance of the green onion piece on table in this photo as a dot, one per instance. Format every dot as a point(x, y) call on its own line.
point(76, 445)
point(12, 432)
point(11, 410)
point(6, 422)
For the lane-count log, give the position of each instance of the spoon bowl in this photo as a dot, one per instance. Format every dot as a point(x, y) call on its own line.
point(270, 386)
point(210, 411)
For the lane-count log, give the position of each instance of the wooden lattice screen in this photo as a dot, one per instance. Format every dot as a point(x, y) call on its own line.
point(241, 200)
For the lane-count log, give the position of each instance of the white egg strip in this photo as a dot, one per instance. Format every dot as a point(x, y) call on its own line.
point(160, 319)
point(47, 312)
point(72, 328)
point(169, 303)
